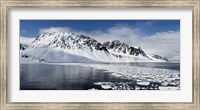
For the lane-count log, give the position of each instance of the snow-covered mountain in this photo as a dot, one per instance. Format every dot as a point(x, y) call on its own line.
point(67, 47)
point(60, 46)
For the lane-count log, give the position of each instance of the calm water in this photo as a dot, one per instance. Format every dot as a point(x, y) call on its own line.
point(71, 77)
point(60, 77)
point(174, 66)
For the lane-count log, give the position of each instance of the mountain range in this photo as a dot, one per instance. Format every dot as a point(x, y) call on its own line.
point(63, 47)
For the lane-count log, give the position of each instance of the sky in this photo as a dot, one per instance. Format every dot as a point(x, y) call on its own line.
point(160, 37)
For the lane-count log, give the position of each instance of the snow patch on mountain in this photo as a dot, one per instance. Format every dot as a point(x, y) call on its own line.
point(56, 56)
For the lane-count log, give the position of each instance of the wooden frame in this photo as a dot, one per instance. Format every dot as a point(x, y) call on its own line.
point(7, 4)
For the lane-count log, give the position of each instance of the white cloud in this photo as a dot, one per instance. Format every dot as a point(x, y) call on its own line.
point(166, 44)
point(122, 33)
point(26, 40)
point(55, 29)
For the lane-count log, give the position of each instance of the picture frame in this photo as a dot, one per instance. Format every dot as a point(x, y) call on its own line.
point(4, 59)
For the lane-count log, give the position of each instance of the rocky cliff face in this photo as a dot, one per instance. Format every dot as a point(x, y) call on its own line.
point(123, 48)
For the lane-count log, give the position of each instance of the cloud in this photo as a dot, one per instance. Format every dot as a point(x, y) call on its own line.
point(166, 44)
point(26, 40)
point(122, 33)
point(55, 29)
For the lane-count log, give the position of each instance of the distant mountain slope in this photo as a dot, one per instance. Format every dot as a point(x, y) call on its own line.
point(25, 42)
point(159, 57)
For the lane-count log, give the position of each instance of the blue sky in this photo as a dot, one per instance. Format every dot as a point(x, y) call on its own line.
point(30, 28)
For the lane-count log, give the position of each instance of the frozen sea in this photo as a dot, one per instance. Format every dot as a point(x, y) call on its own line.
point(97, 76)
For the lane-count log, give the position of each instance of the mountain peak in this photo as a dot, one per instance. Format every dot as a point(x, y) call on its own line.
point(123, 48)
point(67, 41)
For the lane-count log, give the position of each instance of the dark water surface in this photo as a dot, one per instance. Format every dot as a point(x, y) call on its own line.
point(60, 77)
point(71, 77)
